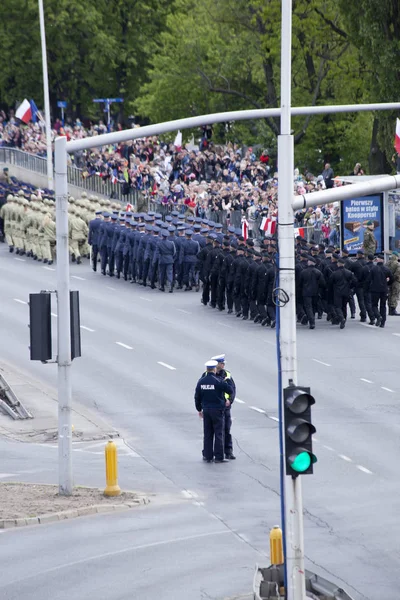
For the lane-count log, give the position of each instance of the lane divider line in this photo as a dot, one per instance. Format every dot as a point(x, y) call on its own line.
point(49, 268)
point(274, 419)
point(146, 299)
point(366, 380)
point(364, 469)
point(124, 345)
point(329, 448)
point(321, 363)
point(87, 328)
point(20, 301)
point(240, 401)
point(260, 410)
point(387, 389)
point(344, 457)
point(110, 288)
point(76, 277)
point(184, 311)
point(163, 364)
point(20, 259)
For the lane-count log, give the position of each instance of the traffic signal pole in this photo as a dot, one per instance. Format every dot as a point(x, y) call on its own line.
point(294, 559)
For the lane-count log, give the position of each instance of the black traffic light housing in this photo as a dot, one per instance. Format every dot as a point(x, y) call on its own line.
point(298, 430)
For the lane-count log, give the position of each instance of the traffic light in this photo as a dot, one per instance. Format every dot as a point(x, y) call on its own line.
point(298, 430)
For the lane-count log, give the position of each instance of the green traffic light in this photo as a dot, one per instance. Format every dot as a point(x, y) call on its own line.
point(302, 462)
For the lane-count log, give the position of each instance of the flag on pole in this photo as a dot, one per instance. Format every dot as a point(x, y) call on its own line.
point(128, 208)
point(113, 178)
point(245, 229)
point(178, 140)
point(397, 137)
point(24, 111)
point(35, 112)
point(299, 231)
point(268, 225)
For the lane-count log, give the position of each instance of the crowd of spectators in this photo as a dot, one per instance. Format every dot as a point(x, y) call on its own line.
point(224, 183)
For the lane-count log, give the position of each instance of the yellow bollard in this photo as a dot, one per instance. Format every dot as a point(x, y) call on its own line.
point(276, 546)
point(112, 487)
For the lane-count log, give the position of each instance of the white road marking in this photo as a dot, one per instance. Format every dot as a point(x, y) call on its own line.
point(49, 268)
point(124, 345)
point(224, 325)
point(366, 380)
point(198, 503)
point(184, 311)
point(142, 298)
point(20, 301)
point(240, 401)
point(4, 475)
point(189, 494)
point(76, 277)
point(398, 334)
point(54, 315)
point(87, 328)
point(99, 557)
point(329, 448)
point(387, 389)
point(315, 439)
point(321, 363)
point(364, 469)
point(163, 364)
point(369, 326)
point(20, 259)
point(274, 419)
point(260, 410)
point(110, 288)
point(344, 457)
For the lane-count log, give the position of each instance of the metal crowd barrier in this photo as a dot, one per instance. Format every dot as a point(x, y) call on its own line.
point(94, 183)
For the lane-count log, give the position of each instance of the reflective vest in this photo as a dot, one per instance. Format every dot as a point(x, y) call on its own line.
point(228, 376)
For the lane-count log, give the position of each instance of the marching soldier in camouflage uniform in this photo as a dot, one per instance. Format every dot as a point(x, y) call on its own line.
point(5, 214)
point(369, 243)
point(394, 290)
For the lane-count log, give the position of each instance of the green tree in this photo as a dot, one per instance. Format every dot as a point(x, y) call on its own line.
point(218, 55)
point(374, 28)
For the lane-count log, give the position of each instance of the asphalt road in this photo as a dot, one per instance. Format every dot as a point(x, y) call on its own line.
point(142, 354)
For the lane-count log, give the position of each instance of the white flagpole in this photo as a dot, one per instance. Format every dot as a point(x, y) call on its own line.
point(50, 181)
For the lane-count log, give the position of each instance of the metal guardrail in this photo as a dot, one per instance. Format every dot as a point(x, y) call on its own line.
point(94, 183)
point(9, 402)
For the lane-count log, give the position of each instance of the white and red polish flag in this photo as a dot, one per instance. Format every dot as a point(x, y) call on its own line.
point(397, 137)
point(24, 111)
point(268, 224)
point(245, 229)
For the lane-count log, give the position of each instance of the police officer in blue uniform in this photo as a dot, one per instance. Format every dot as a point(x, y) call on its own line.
point(225, 375)
point(210, 401)
point(93, 237)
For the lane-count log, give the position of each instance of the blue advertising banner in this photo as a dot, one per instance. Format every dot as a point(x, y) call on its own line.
point(355, 215)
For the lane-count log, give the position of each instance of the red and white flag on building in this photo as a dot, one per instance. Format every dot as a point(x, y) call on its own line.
point(268, 225)
point(245, 229)
point(397, 137)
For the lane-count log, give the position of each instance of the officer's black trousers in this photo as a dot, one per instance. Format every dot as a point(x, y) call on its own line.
point(95, 252)
point(213, 288)
point(206, 291)
point(221, 293)
point(111, 261)
point(339, 304)
point(104, 257)
point(368, 305)
point(213, 423)
point(228, 445)
point(380, 299)
point(229, 295)
point(310, 307)
point(244, 299)
point(146, 265)
point(361, 302)
point(119, 261)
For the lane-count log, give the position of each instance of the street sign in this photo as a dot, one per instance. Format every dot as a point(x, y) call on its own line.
point(62, 104)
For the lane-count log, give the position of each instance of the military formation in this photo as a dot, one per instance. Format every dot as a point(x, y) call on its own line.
point(180, 251)
point(30, 226)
